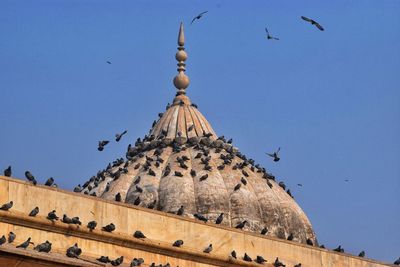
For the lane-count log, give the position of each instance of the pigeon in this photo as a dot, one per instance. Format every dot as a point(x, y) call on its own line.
point(30, 177)
point(198, 16)
point(309, 242)
point(52, 216)
point(8, 172)
point(138, 234)
point(178, 243)
point(11, 237)
point(233, 254)
point(313, 22)
point(219, 219)
point(152, 205)
point(104, 259)
point(3, 240)
point(299, 185)
point(282, 184)
point(7, 206)
point(361, 254)
point(264, 231)
point(244, 181)
point(241, 225)
point(66, 219)
point(117, 261)
point(119, 136)
point(74, 251)
point(139, 189)
point(275, 155)
point(92, 225)
point(44, 247)
point(277, 263)
point(260, 260)
point(75, 220)
point(108, 62)
point(109, 227)
point(200, 217)
point(102, 144)
point(78, 188)
point(191, 127)
point(339, 249)
point(34, 212)
point(237, 187)
point(204, 177)
point(297, 265)
point(397, 262)
point(290, 237)
point(270, 37)
point(49, 181)
point(180, 211)
point(208, 249)
point(137, 262)
point(247, 257)
point(25, 244)
point(322, 246)
point(137, 201)
point(118, 197)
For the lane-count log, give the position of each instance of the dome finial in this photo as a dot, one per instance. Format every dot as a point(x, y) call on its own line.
point(181, 81)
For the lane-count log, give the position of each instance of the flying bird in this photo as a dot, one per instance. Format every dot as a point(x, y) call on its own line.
point(102, 144)
point(269, 36)
point(198, 16)
point(119, 136)
point(313, 22)
point(108, 62)
point(7, 172)
point(275, 155)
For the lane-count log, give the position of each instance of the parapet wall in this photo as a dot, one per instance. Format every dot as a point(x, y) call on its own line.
point(161, 230)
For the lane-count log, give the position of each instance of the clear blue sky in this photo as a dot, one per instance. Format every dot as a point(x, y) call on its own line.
point(330, 99)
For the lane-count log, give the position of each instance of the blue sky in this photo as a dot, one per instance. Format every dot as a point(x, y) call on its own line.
point(330, 99)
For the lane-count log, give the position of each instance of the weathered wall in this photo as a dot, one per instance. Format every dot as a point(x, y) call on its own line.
point(157, 226)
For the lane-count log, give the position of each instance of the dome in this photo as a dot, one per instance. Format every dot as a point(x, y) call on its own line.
point(182, 162)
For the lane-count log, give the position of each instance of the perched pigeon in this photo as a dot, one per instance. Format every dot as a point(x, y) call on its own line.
point(138, 234)
point(247, 257)
point(66, 219)
point(3, 240)
point(74, 251)
point(7, 206)
point(25, 244)
point(237, 187)
point(8, 172)
point(75, 220)
point(290, 237)
point(30, 177)
point(309, 242)
point(219, 219)
point(137, 201)
point(264, 231)
point(278, 263)
point(241, 225)
point(204, 177)
point(137, 262)
point(78, 188)
point(297, 265)
point(180, 211)
point(244, 181)
point(260, 260)
point(178, 243)
point(104, 259)
point(117, 261)
point(92, 225)
point(11, 237)
point(208, 249)
point(44, 247)
point(200, 217)
point(397, 262)
point(339, 249)
point(49, 182)
point(52, 216)
point(118, 197)
point(233, 254)
point(34, 212)
point(109, 227)
point(361, 254)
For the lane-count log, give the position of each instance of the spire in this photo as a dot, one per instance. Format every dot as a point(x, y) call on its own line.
point(181, 81)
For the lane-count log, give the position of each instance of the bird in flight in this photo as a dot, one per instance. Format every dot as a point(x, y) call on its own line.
point(118, 136)
point(313, 22)
point(269, 36)
point(299, 184)
point(198, 16)
point(102, 144)
point(275, 155)
point(346, 180)
point(108, 62)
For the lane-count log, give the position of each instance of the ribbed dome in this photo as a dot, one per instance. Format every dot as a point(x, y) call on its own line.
point(183, 163)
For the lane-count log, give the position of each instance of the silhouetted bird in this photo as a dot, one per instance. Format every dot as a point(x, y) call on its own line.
point(233, 254)
point(247, 257)
point(49, 181)
point(269, 36)
point(208, 249)
point(102, 144)
point(219, 219)
point(178, 243)
point(7, 206)
point(339, 249)
point(200, 217)
point(138, 234)
point(118, 197)
point(278, 263)
point(8, 172)
point(290, 237)
point(25, 244)
point(361, 254)
point(104, 259)
point(203, 177)
point(30, 177)
point(52, 216)
point(119, 136)
point(117, 261)
point(108, 62)
point(313, 22)
point(260, 260)
point(3, 240)
point(43, 247)
point(109, 227)
point(180, 211)
point(244, 181)
point(264, 231)
point(237, 187)
point(309, 242)
point(11, 237)
point(92, 225)
point(198, 16)
point(241, 225)
point(34, 212)
point(275, 155)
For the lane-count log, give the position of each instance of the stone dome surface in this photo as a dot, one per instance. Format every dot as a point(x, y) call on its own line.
point(182, 162)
